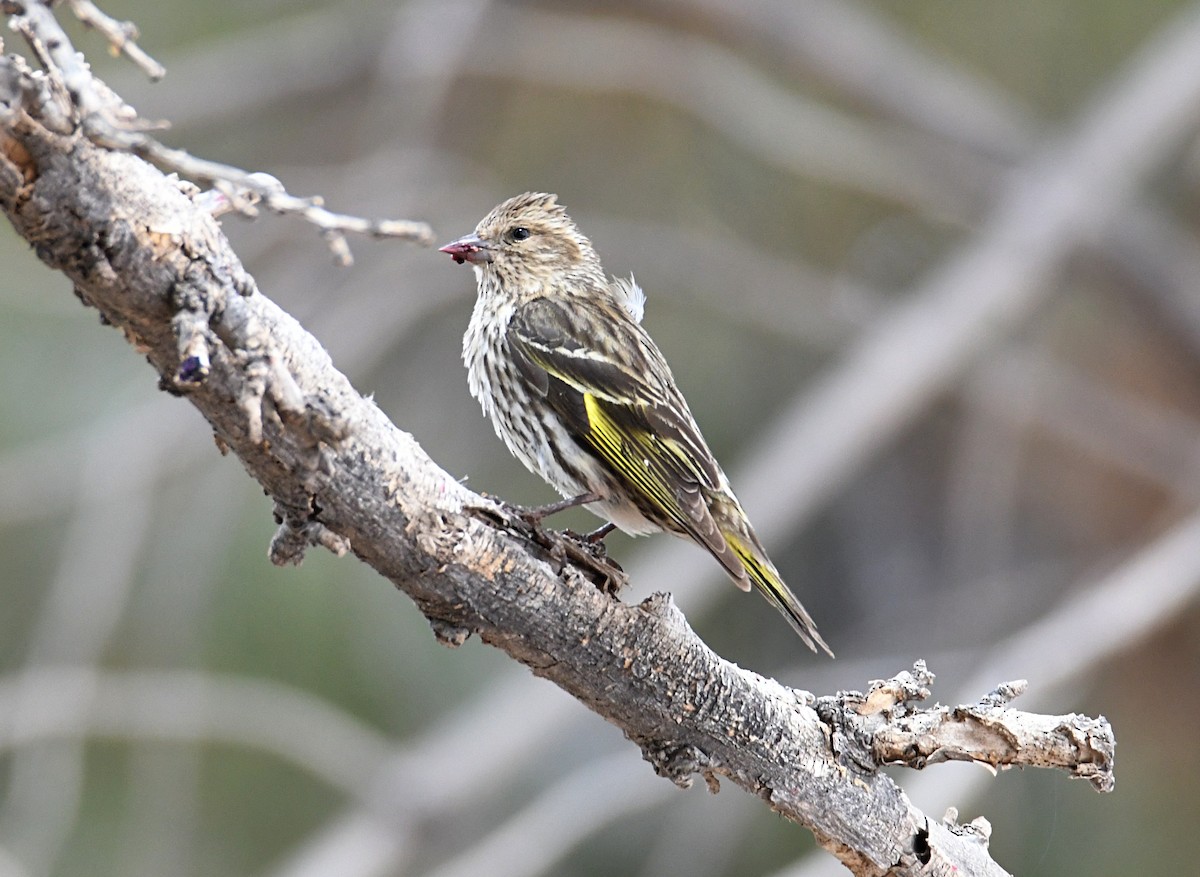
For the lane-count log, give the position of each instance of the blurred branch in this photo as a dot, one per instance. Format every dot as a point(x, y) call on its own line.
point(140, 250)
point(523, 718)
point(1150, 441)
point(84, 606)
point(552, 821)
point(1063, 198)
point(875, 63)
point(780, 127)
point(824, 310)
point(872, 61)
point(83, 703)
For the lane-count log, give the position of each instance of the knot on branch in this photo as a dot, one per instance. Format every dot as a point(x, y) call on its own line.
point(679, 763)
point(298, 529)
point(448, 633)
point(852, 715)
point(192, 334)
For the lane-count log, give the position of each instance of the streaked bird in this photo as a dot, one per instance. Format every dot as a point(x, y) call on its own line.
point(556, 355)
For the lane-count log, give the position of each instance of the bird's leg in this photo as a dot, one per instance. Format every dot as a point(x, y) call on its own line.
point(535, 515)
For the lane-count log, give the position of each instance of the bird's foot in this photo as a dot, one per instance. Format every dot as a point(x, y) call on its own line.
point(586, 551)
point(596, 537)
point(592, 555)
point(593, 543)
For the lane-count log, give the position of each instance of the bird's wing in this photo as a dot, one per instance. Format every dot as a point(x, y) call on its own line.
point(603, 375)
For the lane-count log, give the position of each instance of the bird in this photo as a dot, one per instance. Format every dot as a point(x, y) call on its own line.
point(576, 388)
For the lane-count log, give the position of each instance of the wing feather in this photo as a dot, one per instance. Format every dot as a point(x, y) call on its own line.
point(576, 354)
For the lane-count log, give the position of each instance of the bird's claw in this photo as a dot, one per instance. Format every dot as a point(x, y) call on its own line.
point(586, 551)
point(589, 550)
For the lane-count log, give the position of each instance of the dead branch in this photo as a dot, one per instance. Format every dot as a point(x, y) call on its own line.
point(146, 252)
point(988, 733)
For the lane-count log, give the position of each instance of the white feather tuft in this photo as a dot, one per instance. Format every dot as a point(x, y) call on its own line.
point(630, 295)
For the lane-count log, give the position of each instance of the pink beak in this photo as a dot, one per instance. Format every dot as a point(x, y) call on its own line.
point(468, 249)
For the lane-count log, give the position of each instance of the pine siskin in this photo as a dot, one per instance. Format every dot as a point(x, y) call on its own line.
point(575, 387)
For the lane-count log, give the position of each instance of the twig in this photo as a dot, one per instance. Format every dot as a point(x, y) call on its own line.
point(122, 36)
point(110, 122)
point(241, 191)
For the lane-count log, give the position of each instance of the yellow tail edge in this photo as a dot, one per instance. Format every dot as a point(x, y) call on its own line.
point(767, 580)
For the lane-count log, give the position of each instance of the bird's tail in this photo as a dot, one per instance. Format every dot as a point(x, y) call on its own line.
point(766, 578)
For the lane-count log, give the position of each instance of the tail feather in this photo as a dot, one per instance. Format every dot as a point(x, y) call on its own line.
point(762, 573)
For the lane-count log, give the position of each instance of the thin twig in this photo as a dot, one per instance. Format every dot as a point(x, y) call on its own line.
point(110, 122)
point(122, 36)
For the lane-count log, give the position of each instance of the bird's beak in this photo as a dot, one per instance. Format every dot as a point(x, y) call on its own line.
point(468, 249)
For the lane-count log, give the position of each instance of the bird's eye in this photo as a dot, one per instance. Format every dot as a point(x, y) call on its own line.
point(520, 233)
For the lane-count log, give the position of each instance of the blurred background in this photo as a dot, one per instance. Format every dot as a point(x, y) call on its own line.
point(926, 272)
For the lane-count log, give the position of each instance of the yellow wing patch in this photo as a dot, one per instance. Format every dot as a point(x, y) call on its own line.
point(631, 455)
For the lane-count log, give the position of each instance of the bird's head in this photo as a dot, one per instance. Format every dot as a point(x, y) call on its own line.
point(527, 238)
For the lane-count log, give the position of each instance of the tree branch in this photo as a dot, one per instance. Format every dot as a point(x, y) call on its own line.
point(109, 121)
point(987, 733)
point(147, 253)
